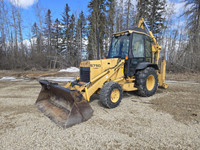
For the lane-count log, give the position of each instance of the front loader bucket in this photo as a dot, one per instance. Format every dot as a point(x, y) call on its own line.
point(63, 106)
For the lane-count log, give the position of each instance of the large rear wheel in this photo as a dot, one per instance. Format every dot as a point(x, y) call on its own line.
point(147, 82)
point(111, 94)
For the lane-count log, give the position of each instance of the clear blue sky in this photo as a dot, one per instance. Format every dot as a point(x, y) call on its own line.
point(57, 8)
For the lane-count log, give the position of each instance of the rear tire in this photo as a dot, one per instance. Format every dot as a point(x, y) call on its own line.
point(147, 82)
point(111, 94)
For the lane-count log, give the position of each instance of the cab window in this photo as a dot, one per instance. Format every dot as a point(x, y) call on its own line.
point(119, 47)
point(138, 45)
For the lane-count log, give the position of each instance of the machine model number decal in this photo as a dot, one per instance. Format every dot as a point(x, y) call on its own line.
point(95, 65)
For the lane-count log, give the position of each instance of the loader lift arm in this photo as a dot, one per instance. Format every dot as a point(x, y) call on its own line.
point(88, 89)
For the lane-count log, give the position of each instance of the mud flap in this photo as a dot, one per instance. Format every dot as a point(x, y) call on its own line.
point(63, 106)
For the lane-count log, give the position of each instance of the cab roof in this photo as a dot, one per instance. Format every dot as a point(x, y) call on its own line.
point(134, 29)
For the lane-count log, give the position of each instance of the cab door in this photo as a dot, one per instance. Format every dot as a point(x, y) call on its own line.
point(141, 51)
point(137, 51)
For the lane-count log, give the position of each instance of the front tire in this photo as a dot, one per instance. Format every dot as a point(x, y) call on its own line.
point(111, 94)
point(147, 82)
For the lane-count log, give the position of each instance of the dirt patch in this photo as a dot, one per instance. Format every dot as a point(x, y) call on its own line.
point(183, 103)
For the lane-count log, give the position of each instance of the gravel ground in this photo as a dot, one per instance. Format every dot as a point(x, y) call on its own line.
point(137, 123)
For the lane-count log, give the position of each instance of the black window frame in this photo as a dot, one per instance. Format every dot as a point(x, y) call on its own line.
point(145, 45)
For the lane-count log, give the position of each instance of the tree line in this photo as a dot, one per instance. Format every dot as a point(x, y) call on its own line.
point(75, 37)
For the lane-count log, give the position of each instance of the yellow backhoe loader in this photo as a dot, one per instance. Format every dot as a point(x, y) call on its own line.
point(131, 64)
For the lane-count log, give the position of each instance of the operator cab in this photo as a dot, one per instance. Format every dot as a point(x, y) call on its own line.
point(136, 44)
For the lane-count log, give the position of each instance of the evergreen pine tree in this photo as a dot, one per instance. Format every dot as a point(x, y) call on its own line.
point(57, 36)
point(143, 9)
point(121, 15)
point(152, 11)
point(35, 30)
point(110, 17)
point(156, 21)
point(65, 31)
point(81, 33)
point(129, 12)
point(97, 24)
point(71, 40)
point(48, 31)
point(36, 37)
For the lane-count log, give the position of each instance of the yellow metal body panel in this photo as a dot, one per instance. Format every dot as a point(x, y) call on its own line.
point(161, 75)
point(128, 86)
point(101, 71)
point(97, 67)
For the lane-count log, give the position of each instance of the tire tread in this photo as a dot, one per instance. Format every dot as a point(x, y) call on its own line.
point(105, 94)
point(141, 77)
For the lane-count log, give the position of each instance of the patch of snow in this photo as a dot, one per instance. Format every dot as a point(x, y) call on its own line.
point(56, 79)
point(71, 69)
point(61, 79)
point(27, 43)
point(8, 78)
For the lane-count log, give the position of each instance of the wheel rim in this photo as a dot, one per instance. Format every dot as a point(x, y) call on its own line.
point(115, 95)
point(150, 82)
